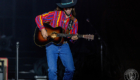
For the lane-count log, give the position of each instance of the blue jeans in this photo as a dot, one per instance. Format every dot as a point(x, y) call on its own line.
point(64, 52)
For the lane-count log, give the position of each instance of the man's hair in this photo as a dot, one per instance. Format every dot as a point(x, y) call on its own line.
point(61, 9)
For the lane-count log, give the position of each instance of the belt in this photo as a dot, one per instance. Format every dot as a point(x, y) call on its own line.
point(65, 42)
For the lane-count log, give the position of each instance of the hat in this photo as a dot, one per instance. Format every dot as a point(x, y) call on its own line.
point(67, 3)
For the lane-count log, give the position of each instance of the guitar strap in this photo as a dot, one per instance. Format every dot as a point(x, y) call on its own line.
point(70, 25)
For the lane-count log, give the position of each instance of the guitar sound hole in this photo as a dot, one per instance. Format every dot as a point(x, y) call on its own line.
point(53, 35)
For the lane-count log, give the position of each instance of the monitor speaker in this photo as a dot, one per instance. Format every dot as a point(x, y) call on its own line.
point(3, 68)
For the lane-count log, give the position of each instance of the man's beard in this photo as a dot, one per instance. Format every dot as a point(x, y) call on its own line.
point(67, 14)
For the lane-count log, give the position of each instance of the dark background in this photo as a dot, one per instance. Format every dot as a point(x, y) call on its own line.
point(115, 21)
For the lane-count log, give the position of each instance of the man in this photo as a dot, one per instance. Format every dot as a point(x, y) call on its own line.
point(59, 18)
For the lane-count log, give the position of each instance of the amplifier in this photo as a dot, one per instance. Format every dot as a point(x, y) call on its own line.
point(3, 68)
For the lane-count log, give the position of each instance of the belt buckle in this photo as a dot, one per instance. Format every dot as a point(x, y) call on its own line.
point(64, 42)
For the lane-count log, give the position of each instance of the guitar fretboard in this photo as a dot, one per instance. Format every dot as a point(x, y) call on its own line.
point(68, 35)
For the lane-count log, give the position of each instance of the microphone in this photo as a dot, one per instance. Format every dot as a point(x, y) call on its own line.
point(87, 20)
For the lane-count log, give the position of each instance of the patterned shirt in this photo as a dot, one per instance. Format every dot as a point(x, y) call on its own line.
point(56, 18)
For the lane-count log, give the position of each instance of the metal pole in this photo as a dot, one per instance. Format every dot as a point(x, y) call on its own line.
point(101, 60)
point(17, 46)
point(101, 54)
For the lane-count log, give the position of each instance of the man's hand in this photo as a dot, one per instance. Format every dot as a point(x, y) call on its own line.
point(44, 33)
point(74, 37)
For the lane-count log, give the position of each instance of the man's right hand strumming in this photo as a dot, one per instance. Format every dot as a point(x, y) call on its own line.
point(44, 33)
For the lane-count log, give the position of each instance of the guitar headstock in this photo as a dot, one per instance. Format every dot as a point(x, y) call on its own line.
point(89, 37)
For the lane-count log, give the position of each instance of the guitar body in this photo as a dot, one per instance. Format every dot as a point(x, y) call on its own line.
point(40, 41)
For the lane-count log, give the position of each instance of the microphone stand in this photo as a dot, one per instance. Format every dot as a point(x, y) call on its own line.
point(17, 55)
point(101, 47)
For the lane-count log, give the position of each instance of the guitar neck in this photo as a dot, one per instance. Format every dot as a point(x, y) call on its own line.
point(68, 35)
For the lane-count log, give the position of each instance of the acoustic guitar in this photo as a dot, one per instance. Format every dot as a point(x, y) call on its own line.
point(56, 35)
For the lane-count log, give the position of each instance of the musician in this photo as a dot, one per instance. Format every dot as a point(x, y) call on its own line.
point(60, 18)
